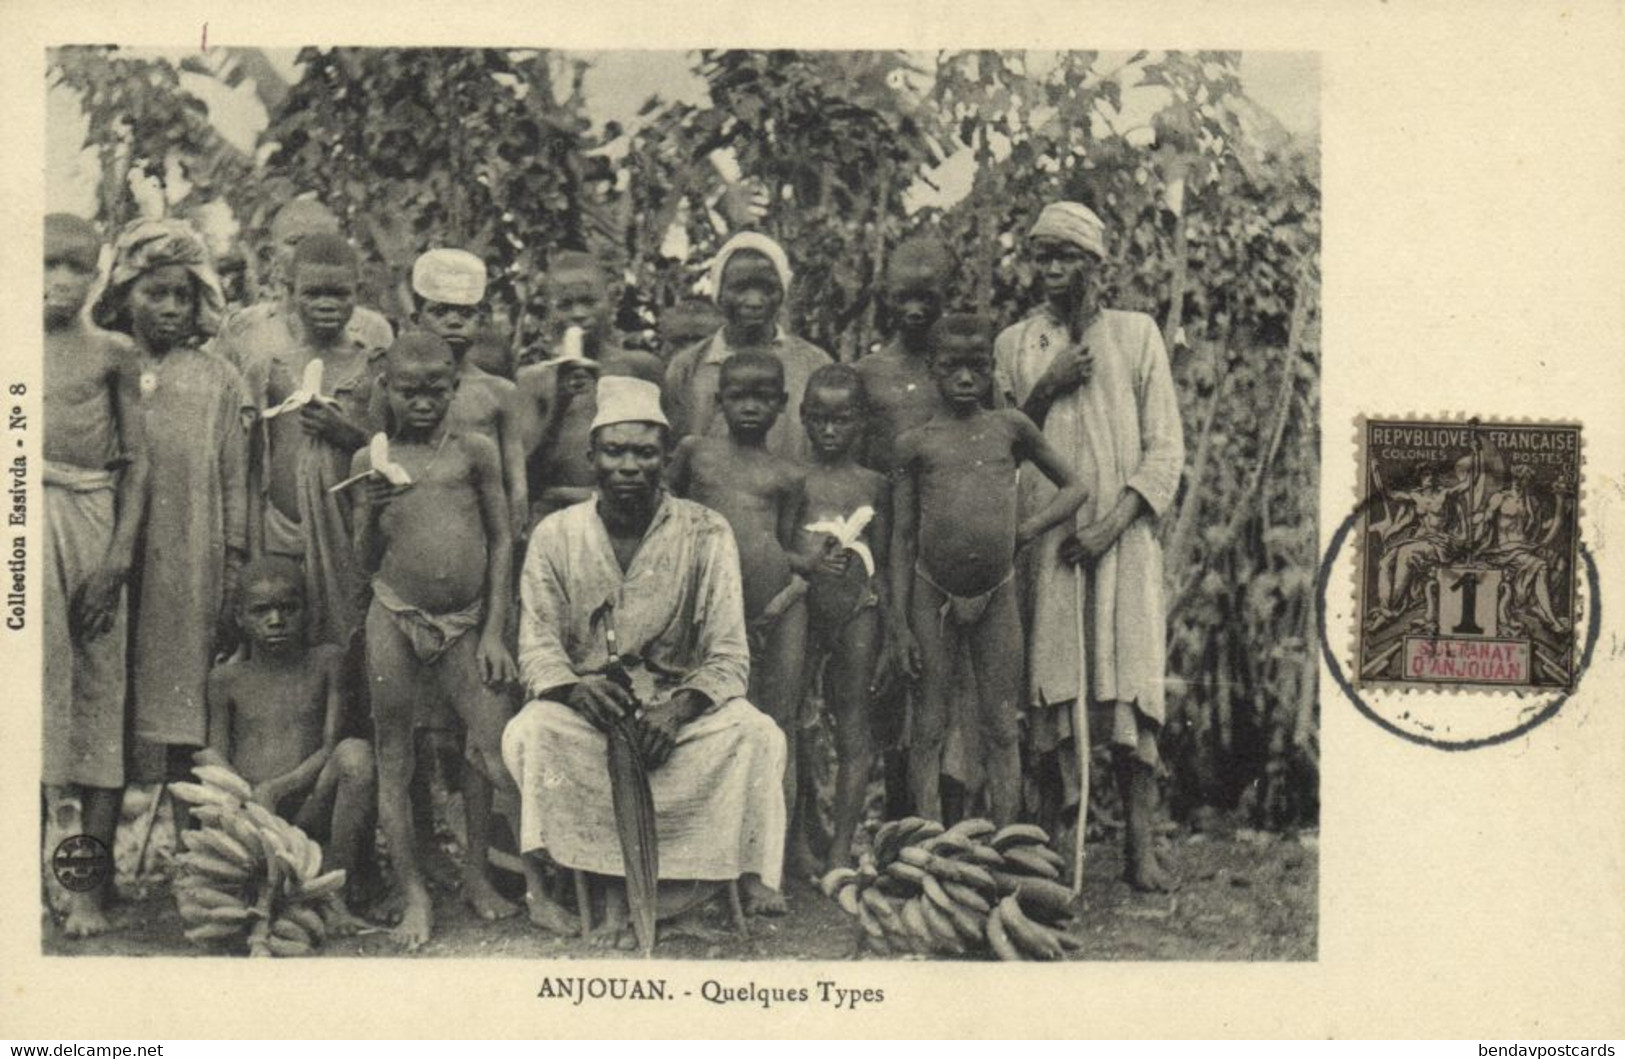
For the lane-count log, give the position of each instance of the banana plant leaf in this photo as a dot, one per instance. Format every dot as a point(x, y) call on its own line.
point(635, 821)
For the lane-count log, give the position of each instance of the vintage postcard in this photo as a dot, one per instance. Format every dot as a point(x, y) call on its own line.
point(590, 526)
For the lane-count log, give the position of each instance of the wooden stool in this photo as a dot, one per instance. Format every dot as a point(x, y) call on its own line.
point(736, 906)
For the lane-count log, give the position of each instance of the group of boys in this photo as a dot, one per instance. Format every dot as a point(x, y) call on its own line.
point(366, 559)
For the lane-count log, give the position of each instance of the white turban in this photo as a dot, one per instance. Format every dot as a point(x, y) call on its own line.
point(1072, 223)
point(754, 241)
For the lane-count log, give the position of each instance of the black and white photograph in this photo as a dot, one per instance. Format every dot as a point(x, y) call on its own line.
point(710, 504)
point(849, 521)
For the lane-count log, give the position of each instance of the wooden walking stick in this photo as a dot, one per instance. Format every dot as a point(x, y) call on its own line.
point(1082, 314)
point(1080, 737)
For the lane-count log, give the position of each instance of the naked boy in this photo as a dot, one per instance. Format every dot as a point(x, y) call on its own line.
point(275, 719)
point(759, 493)
point(847, 586)
point(901, 396)
point(954, 544)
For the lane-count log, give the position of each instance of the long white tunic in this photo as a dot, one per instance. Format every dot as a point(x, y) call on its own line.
point(1120, 430)
point(679, 618)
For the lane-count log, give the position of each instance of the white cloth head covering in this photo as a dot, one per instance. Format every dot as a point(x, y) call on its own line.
point(624, 399)
point(754, 241)
point(451, 277)
point(1073, 223)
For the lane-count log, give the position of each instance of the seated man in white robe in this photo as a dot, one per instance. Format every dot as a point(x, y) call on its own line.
point(664, 574)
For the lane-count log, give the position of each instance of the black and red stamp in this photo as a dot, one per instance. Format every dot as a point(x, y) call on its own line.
point(1469, 559)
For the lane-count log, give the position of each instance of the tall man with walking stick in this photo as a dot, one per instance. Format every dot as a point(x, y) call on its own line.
point(1098, 384)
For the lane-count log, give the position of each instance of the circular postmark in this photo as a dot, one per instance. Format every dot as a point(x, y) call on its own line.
point(81, 863)
point(1447, 720)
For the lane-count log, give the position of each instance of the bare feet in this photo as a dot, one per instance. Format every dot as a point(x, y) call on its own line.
point(84, 917)
point(483, 898)
point(550, 916)
point(690, 924)
point(609, 936)
point(341, 922)
point(388, 908)
point(1147, 875)
point(759, 900)
point(799, 862)
point(437, 866)
point(609, 933)
point(838, 859)
point(416, 918)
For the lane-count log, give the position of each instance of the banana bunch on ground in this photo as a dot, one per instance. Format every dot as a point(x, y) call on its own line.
point(970, 889)
point(247, 876)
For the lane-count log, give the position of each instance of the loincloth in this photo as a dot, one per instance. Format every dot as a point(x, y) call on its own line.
point(430, 635)
point(963, 611)
point(84, 685)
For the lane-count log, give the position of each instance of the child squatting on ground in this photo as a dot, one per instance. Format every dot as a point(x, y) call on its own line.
point(954, 544)
point(440, 550)
point(275, 719)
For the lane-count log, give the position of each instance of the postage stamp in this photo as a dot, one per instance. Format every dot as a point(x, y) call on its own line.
point(1468, 555)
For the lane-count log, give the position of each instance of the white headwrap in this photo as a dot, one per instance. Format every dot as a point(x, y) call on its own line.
point(1072, 223)
point(754, 241)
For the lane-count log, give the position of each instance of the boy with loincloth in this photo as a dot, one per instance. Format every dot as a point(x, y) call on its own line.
point(275, 719)
point(92, 517)
point(954, 544)
point(846, 583)
point(448, 297)
point(558, 395)
point(901, 396)
point(440, 551)
point(162, 292)
point(305, 440)
point(759, 493)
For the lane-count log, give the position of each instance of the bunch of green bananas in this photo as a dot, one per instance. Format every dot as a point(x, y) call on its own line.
point(972, 888)
point(247, 876)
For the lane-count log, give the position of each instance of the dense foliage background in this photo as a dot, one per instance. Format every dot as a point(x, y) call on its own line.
point(1214, 214)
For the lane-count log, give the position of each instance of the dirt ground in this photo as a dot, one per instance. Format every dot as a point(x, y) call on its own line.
point(1245, 895)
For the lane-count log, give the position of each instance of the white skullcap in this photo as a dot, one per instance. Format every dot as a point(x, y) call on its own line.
point(1072, 223)
point(624, 399)
point(451, 277)
point(758, 243)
